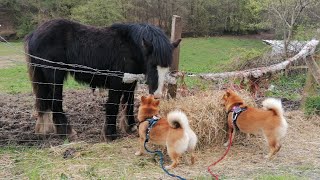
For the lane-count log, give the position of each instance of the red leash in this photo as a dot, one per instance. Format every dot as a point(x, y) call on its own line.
point(224, 155)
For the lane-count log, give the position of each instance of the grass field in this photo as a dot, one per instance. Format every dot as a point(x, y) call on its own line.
point(197, 55)
point(10, 49)
point(210, 54)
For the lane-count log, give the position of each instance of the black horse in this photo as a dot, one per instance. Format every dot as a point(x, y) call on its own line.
point(98, 57)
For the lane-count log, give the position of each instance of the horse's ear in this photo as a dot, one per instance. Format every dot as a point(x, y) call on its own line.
point(147, 45)
point(156, 102)
point(176, 43)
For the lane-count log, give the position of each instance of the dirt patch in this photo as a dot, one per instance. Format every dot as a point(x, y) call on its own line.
point(86, 115)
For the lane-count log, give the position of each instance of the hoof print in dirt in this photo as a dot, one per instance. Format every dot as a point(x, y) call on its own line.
point(70, 153)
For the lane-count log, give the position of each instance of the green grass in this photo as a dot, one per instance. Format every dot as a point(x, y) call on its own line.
point(287, 87)
point(201, 55)
point(14, 48)
point(15, 80)
point(91, 161)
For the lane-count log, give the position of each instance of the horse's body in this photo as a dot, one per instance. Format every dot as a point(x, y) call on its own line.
point(98, 57)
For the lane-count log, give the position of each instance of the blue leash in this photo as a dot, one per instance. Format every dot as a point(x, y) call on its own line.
point(152, 122)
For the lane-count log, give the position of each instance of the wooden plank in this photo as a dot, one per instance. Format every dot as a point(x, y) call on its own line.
point(176, 30)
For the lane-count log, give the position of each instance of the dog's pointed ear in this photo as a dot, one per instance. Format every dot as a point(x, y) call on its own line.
point(228, 92)
point(156, 102)
point(176, 43)
point(143, 99)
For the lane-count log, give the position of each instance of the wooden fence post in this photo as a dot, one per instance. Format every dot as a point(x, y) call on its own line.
point(176, 30)
point(313, 68)
point(313, 78)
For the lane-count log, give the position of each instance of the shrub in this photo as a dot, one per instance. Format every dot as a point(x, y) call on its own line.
point(97, 12)
point(312, 105)
point(26, 25)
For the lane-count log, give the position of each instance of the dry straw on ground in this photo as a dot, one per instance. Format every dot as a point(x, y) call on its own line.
point(206, 115)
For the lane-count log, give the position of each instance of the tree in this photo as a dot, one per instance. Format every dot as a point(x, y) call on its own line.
point(288, 12)
point(98, 12)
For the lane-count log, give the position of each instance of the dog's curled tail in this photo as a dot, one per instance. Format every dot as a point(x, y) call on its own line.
point(178, 119)
point(276, 106)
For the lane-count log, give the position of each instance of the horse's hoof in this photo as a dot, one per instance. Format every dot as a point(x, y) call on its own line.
point(111, 137)
point(132, 129)
point(73, 135)
point(106, 137)
point(110, 133)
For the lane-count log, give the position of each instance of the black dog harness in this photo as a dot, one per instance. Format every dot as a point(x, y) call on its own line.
point(152, 121)
point(236, 111)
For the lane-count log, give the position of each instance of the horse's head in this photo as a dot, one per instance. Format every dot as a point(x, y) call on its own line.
point(152, 48)
point(158, 58)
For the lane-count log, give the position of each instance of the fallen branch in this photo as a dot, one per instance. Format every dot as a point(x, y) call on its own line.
point(130, 78)
point(307, 50)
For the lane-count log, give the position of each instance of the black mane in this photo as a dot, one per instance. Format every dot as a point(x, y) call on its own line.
point(161, 46)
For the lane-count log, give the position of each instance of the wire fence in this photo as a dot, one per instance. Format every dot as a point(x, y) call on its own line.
point(81, 106)
point(85, 111)
point(78, 107)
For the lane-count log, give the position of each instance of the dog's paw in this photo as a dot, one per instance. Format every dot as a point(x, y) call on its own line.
point(138, 153)
point(269, 156)
point(168, 167)
point(226, 144)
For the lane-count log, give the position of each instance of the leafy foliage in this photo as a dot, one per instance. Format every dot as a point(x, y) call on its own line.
point(312, 105)
point(200, 17)
point(97, 12)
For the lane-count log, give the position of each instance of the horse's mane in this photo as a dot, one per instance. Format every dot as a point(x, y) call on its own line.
point(162, 48)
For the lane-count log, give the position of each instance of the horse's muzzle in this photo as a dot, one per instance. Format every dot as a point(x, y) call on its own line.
point(157, 95)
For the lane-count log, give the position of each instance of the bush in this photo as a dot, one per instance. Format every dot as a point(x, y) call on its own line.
point(97, 12)
point(26, 25)
point(288, 87)
point(312, 105)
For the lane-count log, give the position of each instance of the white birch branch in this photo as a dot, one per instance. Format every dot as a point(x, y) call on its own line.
point(307, 50)
point(130, 78)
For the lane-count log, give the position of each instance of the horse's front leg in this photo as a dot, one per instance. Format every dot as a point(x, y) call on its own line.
point(60, 120)
point(112, 109)
point(128, 98)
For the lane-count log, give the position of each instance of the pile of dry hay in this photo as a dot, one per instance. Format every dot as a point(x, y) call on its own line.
point(206, 115)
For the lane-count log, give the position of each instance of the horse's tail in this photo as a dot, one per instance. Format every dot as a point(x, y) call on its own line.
point(35, 74)
point(31, 68)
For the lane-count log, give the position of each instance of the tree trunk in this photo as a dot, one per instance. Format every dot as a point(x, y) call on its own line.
point(307, 50)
